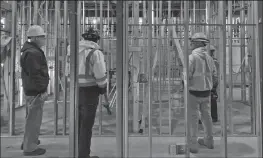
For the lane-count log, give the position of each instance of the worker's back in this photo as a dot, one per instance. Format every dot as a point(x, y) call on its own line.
point(201, 67)
point(91, 67)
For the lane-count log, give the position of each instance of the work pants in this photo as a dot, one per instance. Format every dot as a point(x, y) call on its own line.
point(214, 114)
point(88, 102)
point(34, 107)
point(201, 104)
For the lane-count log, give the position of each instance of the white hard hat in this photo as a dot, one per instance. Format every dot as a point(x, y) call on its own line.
point(35, 30)
point(199, 37)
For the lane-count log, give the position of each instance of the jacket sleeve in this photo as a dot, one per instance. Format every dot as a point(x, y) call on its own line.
point(191, 66)
point(99, 69)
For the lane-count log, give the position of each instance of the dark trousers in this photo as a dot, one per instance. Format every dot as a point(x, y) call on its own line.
point(88, 102)
point(214, 107)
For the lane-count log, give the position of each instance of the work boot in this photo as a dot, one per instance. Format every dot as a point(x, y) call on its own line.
point(22, 145)
point(37, 152)
point(207, 141)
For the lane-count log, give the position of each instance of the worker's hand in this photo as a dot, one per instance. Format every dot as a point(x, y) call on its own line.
point(43, 96)
point(107, 106)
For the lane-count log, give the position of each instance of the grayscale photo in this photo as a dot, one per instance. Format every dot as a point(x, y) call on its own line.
point(131, 79)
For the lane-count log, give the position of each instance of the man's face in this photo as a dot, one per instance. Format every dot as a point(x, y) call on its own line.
point(194, 45)
point(40, 40)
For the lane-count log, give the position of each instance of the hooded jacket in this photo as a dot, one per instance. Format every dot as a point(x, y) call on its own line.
point(35, 77)
point(202, 71)
point(92, 73)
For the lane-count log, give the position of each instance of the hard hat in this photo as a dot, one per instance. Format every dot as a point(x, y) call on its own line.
point(91, 33)
point(199, 37)
point(35, 30)
point(212, 48)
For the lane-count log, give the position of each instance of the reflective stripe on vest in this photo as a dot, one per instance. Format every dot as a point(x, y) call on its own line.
point(91, 78)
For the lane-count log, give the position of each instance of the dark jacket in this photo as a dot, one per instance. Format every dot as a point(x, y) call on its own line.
point(35, 77)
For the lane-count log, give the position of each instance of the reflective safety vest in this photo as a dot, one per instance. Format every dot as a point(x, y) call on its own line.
point(92, 67)
point(201, 78)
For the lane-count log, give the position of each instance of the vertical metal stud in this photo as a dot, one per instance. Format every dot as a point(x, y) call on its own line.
point(230, 66)
point(242, 49)
point(83, 16)
point(186, 78)
point(126, 78)
point(56, 86)
point(64, 65)
point(30, 13)
point(74, 43)
point(222, 59)
point(109, 50)
point(13, 64)
point(120, 85)
point(258, 54)
point(35, 13)
point(149, 63)
point(253, 74)
point(169, 67)
point(159, 67)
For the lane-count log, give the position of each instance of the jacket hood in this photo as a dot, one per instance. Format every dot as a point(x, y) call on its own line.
point(201, 52)
point(84, 44)
point(28, 45)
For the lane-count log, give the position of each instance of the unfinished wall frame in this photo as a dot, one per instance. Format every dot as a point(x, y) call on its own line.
point(158, 39)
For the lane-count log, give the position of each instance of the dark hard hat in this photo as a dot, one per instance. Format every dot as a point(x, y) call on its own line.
point(91, 33)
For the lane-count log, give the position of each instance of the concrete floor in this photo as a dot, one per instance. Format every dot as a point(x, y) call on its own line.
point(138, 147)
point(241, 119)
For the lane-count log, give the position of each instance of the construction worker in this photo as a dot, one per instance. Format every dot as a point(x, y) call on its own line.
point(35, 80)
point(92, 82)
point(201, 70)
point(214, 94)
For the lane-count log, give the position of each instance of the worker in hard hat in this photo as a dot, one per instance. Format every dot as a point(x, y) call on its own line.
point(201, 71)
point(92, 82)
point(35, 80)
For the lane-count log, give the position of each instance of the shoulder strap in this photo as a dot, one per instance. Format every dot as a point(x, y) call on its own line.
point(88, 61)
point(90, 54)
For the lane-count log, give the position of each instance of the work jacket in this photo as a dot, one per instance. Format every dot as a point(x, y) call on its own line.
point(92, 67)
point(35, 77)
point(202, 70)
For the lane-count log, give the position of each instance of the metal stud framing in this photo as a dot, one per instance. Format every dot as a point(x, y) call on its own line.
point(74, 42)
point(222, 59)
point(122, 55)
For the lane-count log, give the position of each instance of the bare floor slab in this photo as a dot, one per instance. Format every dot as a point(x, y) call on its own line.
point(138, 147)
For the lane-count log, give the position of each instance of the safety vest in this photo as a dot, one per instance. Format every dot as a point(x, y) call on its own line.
point(92, 67)
point(201, 79)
